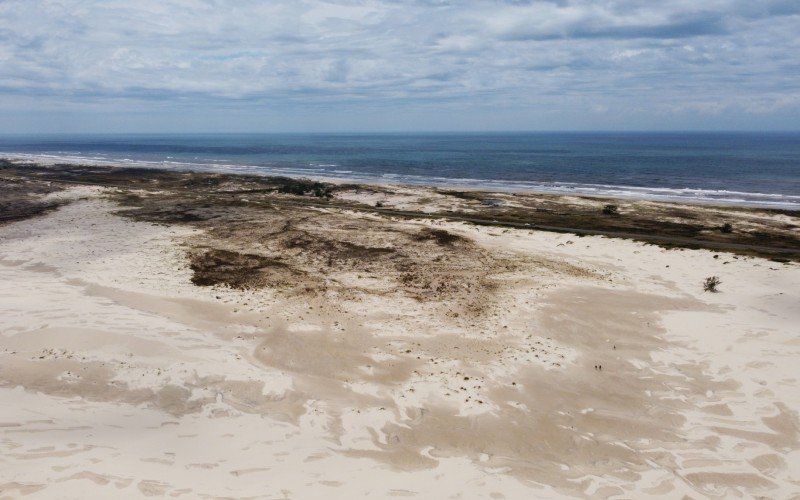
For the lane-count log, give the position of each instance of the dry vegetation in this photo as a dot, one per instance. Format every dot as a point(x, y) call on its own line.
point(200, 197)
point(21, 198)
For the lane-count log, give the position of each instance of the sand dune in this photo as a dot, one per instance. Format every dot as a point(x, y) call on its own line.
point(435, 359)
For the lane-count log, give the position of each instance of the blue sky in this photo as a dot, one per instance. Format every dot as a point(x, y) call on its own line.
point(244, 65)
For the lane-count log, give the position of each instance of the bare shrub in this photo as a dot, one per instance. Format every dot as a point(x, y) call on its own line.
point(711, 283)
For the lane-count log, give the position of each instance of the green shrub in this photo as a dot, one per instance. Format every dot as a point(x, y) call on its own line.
point(302, 187)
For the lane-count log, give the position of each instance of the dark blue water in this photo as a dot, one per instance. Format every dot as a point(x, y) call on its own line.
point(748, 168)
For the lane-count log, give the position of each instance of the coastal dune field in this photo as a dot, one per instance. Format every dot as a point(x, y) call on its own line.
point(215, 336)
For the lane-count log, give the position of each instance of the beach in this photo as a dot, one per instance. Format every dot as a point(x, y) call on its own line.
point(211, 335)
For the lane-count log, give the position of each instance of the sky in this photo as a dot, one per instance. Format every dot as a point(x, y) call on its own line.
point(388, 65)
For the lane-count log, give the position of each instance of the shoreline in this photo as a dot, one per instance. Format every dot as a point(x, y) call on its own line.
point(698, 196)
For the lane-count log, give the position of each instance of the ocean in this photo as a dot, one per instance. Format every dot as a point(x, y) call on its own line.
point(757, 169)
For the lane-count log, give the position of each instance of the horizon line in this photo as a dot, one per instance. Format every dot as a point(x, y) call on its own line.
point(415, 132)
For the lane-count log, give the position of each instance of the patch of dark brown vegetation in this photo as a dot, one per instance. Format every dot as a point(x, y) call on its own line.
point(464, 195)
point(168, 215)
point(239, 270)
point(339, 250)
point(326, 247)
point(141, 178)
point(303, 187)
point(439, 236)
point(23, 209)
point(22, 199)
point(322, 244)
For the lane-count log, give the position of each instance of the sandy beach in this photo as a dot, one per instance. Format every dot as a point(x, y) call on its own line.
point(208, 336)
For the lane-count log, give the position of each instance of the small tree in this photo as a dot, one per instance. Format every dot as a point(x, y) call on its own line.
point(727, 228)
point(611, 209)
point(711, 283)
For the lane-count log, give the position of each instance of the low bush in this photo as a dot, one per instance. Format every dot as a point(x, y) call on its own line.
point(711, 283)
point(611, 210)
point(301, 187)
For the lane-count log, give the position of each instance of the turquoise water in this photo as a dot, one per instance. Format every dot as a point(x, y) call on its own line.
point(743, 168)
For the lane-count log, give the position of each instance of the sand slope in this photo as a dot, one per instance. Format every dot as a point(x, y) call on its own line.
point(599, 368)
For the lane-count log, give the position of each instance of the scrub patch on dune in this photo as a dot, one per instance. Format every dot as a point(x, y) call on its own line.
point(239, 270)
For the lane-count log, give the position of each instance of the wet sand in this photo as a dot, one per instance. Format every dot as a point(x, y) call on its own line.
point(201, 335)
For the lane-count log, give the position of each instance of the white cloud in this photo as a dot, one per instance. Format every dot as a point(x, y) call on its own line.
point(528, 55)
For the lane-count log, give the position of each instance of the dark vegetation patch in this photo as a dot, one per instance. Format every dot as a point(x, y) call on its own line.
point(463, 195)
point(439, 236)
point(205, 181)
point(22, 198)
point(12, 211)
point(300, 249)
point(176, 214)
point(129, 198)
point(327, 244)
point(239, 270)
point(610, 209)
point(303, 187)
point(711, 283)
point(662, 225)
point(581, 219)
point(492, 202)
point(144, 178)
point(319, 249)
point(333, 249)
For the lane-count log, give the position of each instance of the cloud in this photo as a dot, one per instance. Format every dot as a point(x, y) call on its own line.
point(359, 56)
point(547, 22)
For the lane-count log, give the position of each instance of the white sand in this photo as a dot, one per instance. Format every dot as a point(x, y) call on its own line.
point(119, 378)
